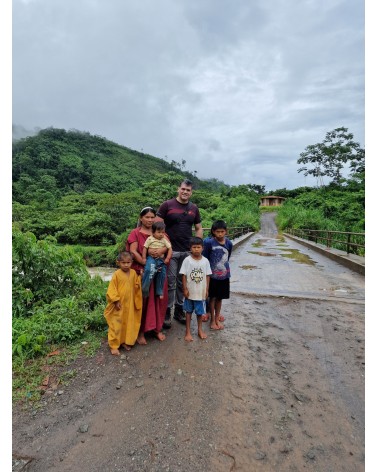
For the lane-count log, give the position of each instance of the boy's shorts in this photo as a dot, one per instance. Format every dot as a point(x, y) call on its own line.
point(198, 306)
point(219, 289)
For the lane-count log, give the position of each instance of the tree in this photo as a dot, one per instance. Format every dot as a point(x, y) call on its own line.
point(329, 157)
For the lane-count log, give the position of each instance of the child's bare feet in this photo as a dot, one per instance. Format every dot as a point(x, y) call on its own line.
point(188, 337)
point(221, 318)
point(115, 352)
point(205, 317)
point(201, 334)
point(216, 325)
point(217, 321)
point(126, 346)
point(160, 336)
point(141, 339)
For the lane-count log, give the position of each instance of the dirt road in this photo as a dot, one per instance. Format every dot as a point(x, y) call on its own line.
point(280, 389)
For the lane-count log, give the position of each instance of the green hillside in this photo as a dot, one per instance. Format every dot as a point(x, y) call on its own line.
point(84, 189)
point(78, 161)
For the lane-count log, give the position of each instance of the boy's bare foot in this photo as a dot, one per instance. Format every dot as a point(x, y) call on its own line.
point(160, 336)
point(188, 337)
point(126, 346)
point(205, 317)
point(115, 352)
point(221, 318)
point(214, 326)
point(141, 339)
point(202, 335)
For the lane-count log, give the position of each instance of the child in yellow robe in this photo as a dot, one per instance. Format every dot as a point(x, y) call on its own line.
point(123, 312)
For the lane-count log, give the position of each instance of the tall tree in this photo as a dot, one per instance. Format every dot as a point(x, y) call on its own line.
point(328, 158)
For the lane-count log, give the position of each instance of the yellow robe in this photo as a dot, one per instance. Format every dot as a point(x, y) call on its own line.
point(123, 324)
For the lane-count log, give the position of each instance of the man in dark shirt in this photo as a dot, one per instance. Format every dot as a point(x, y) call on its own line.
point(179, 216)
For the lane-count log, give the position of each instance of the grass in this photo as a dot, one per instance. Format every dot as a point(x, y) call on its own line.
point(29, 375)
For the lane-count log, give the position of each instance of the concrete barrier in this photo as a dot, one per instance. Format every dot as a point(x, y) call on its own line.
point(241, 239)
point(353, 262)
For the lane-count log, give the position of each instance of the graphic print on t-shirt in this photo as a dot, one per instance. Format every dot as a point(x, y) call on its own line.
point(196, 275)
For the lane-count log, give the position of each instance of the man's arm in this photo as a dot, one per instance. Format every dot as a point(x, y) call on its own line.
point(199, 230)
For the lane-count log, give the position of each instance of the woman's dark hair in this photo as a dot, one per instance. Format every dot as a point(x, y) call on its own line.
point(195, 240)
point(146, 210)
point(218, 224)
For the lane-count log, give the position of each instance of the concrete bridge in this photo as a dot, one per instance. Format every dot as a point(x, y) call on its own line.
point(266, 263)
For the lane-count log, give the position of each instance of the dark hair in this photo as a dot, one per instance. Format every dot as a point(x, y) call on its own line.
point(124, 255)
point(146, 210)
point(187, 182)
point(218, 224)
point(195, 240)
point(158, 225)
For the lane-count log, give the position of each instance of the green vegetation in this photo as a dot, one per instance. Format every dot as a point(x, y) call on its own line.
point(85, 190)
point(54, 298)
point(76, 197)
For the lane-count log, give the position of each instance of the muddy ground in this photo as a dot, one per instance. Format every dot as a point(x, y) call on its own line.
point(280, 389)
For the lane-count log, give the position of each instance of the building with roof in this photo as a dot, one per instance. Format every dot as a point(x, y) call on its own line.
point(271, 200)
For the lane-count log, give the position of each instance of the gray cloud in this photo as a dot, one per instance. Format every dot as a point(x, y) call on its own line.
point(237, 89)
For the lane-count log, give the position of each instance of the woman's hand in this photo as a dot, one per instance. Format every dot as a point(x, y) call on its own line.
point(157, 252)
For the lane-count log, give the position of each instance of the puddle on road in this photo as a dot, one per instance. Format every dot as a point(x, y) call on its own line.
point(260, 253)
point(248, 267)
point(297, 256)
point(259, 242)
point(342, 289)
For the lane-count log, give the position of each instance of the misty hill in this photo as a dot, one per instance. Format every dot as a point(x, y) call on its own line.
point(78, 161)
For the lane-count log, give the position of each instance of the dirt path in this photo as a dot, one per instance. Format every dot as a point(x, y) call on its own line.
point(280, 389)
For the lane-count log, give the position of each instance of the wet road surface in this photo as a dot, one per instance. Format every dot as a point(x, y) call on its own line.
point(270, 264)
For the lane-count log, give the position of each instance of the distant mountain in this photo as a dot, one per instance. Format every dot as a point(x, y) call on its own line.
point(79, 161)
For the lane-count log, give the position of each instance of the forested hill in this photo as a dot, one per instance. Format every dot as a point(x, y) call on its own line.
point(78, 161)
point(84, 189)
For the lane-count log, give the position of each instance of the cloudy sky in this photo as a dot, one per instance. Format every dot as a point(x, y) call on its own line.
point(236, 88)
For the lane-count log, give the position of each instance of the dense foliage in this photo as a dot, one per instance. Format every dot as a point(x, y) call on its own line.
point(84, 189)
point(330, 208)
point(54, 298)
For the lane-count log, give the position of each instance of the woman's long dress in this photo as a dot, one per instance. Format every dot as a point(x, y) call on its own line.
point(154, 308)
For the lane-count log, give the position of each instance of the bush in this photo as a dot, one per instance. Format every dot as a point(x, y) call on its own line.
point(54, 298)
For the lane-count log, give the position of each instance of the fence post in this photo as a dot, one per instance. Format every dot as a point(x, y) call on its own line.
point(328, 239)
point(348, 243)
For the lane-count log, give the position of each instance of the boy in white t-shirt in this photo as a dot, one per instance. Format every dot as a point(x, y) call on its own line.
point(195, 271)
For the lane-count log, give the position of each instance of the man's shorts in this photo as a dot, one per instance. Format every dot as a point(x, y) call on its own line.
point(198, 306)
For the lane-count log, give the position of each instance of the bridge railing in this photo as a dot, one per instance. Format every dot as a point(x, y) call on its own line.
point(352, 243)
point(233, 232)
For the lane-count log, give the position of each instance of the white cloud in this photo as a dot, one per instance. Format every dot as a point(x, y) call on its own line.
point(237, 90)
